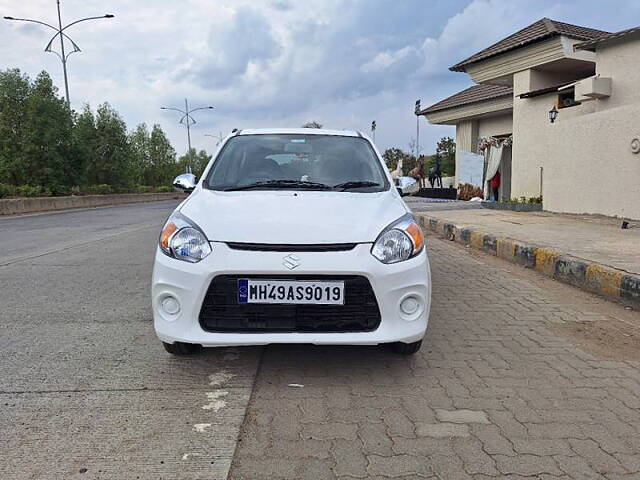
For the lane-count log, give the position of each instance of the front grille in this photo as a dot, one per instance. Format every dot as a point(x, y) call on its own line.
point(273, 247)
point(221, 311)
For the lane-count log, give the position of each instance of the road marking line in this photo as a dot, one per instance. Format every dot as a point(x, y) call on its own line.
point(220, 378)
point(187, 455)
point(215, 403)
point(201, 427)
point(73, 245)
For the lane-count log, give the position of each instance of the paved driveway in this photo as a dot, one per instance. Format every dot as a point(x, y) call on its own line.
point(504, 387)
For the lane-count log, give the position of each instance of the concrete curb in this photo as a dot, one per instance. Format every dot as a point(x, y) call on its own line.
point(19, 206)
point(580, 273)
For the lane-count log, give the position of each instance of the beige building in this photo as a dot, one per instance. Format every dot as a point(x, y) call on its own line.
point(588, 159)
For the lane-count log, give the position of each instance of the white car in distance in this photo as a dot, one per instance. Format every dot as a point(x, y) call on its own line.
point(291, 236)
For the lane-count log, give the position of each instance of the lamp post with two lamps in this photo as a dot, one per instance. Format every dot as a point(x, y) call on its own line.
point(417, 113)
point(60, 31)
point(219, 137)
point(187, 119)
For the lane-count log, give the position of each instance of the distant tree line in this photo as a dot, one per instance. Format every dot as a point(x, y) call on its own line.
point(48, 149)
point(445, 149)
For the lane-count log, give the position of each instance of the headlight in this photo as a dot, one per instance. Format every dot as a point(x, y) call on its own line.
point(400, 241)
point(182, 239)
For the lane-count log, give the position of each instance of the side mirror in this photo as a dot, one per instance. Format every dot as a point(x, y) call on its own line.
point(407, 185)
point(185, 182)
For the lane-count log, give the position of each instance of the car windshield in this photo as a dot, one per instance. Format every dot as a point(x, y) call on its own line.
point(297, 162)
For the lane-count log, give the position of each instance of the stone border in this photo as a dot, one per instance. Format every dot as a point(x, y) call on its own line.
point(20, 206)
point(580, 273)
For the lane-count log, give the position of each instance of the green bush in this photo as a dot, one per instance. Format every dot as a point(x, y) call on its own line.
point(101, 189)
point(7, 190)
point(119, 189)
point(32, 191)
point(59, 190)
point(525, 200)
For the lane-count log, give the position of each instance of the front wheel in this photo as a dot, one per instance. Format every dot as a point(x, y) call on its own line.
point(179, 348)
point(407, 348)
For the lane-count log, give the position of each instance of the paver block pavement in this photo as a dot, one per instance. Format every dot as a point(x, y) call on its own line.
point(495, 392)
point(591, 253)
point(462, 416)
point(442, 430)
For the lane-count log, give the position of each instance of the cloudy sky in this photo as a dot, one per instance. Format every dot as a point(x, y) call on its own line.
point(265, 63)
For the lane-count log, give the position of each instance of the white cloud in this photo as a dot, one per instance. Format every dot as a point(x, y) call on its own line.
point(279, 62)
point(383, 60)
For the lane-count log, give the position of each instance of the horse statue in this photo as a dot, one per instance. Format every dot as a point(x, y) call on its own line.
point(435, 173)
point(397, 173)
point(418, 172)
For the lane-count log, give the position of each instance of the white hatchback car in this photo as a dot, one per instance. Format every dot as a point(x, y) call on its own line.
point(291, 236)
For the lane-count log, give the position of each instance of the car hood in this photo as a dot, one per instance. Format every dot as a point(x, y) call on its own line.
point(292, 217)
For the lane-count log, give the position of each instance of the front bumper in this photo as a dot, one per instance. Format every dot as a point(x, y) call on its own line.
point(188, 283)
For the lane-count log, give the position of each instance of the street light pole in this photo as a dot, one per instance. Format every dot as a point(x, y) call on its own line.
point(417, 112)
point(186, 109)
point(187, 119)
point(218, 137)
point(63, 56)
point(373, 130)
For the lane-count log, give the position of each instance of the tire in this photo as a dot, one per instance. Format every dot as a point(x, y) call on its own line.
point(181, 349)
point(407, 348)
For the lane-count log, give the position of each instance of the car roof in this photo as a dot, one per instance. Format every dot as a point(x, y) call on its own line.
point(299, 131)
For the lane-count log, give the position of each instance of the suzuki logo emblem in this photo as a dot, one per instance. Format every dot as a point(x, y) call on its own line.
point(291, 262)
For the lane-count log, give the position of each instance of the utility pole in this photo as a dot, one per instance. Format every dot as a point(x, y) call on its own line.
point(373, 130)
point(417, 112)
point(63, 56)
point(187, 119)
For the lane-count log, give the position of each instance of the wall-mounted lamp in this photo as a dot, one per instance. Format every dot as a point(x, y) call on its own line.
point(553, 114)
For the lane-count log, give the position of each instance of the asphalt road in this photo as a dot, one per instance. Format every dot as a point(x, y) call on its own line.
point(520, 377)
point(86, 390)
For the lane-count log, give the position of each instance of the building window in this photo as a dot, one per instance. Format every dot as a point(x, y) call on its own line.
point(567, 98)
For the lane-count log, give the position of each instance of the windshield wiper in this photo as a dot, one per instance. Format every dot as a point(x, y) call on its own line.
point(280, 184)
point(355, 184)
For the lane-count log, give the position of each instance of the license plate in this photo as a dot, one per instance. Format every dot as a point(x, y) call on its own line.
point(315, 292)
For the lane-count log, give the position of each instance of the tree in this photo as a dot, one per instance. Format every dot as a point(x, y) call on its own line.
point(48, 138)
point(446, 150)
point(111, 162)
point(84, 143)
point(162, 157)
point(139, 141)
point(197, 162)
point(45, 145)
point(153, 157)
point(312, 124)
point(391, 157)
point(14, 93)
